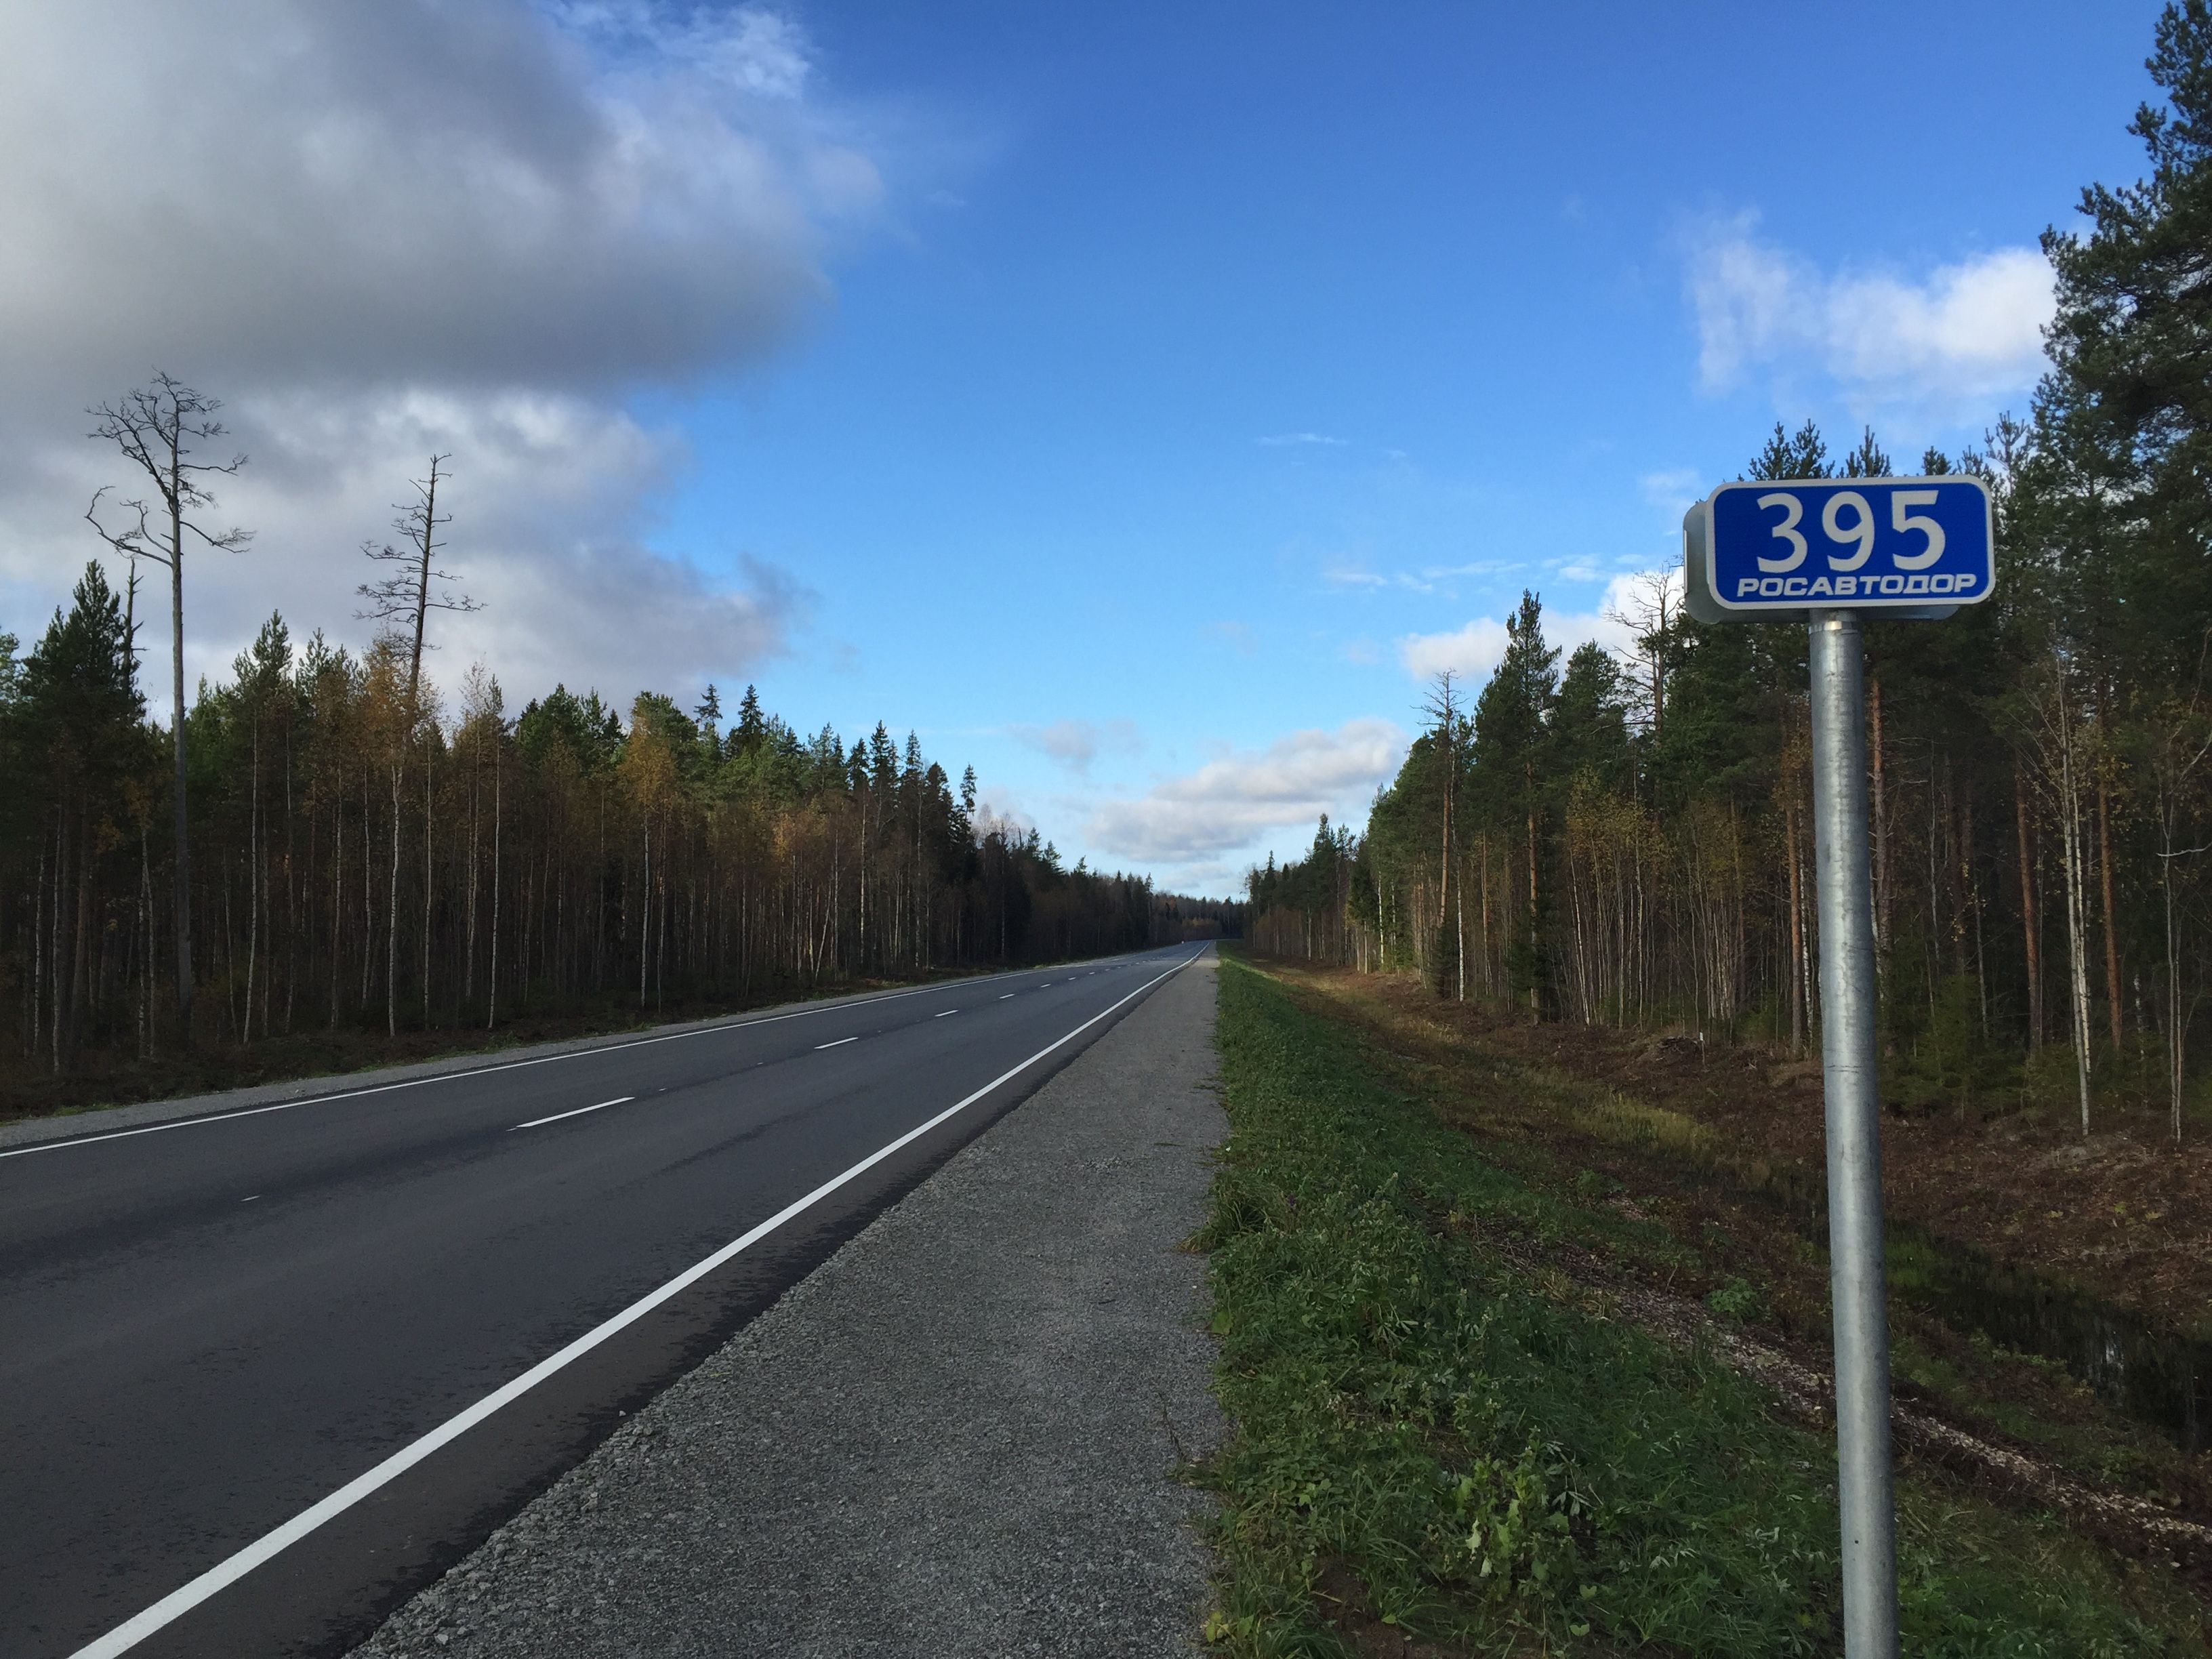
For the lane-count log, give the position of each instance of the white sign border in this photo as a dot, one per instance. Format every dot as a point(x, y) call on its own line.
point(1698, 560)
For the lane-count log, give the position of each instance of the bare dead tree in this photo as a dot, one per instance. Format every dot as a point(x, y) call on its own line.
point(1651, 612)
point(157, 428)
point(402, 602)
point(404, 599)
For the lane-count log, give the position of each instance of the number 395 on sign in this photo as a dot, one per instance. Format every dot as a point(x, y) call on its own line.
point(1918, 545)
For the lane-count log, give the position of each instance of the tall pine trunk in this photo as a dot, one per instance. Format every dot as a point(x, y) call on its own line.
point(491, 974)
point(392, 932)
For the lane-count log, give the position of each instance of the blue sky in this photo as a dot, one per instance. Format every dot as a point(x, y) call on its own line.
point(1135, 401)
point(1200, 346)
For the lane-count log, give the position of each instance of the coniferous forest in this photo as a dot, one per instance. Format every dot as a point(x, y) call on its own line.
point(1627, 837)
point(335, 847)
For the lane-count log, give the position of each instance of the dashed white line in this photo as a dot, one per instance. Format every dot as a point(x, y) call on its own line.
point(1009, 997)
point(579, 1112)
point(947, 1014)
point(721, 1027)
point(181, 1601)
point(839, 1043)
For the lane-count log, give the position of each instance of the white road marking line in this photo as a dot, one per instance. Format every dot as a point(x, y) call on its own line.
point(249, 1200)
point(947, 1014)
point(839, 1043)
point(481, 1071)
point(579, 1112)
point(1009, 997)
point(184, 1599)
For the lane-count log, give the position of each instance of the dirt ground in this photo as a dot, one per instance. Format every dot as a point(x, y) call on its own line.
point(2124, 1214)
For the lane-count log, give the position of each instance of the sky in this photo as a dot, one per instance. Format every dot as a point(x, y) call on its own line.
point(1138, 403)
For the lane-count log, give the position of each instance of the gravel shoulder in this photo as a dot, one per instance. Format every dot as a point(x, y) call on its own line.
point(958, 1435)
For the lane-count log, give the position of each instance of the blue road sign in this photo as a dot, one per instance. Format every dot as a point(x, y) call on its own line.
point(1784, 546)
point(1823, 549)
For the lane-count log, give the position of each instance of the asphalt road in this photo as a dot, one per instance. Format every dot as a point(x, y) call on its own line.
point(210, 1330)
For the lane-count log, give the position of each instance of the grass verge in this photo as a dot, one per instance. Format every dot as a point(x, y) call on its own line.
point(1437, 1450)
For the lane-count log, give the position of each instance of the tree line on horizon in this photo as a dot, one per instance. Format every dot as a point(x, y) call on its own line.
point(324, 842)
point(1627, 838)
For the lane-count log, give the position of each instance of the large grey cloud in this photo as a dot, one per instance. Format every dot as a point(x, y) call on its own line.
point(382, 227)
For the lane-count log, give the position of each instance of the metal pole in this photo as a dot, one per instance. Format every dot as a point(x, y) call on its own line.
point(1848, 1055)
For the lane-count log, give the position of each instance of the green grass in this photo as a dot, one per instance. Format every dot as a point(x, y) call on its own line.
point(1423, 1437)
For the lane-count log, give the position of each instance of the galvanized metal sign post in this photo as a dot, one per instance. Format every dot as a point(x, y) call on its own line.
point(1825, 549)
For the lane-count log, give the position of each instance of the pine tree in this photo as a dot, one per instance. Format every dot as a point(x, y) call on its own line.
point(1589, 722)
point(2130, 384)
point(77, 717)
point(751, 731)
point(1511, 761)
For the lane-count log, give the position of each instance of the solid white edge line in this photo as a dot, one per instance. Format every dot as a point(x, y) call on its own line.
point(183, 1600)
point(839, 1043)
point(484, 1070)
point(618, 1101)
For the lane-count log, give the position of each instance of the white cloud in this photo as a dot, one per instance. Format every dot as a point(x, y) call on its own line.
point(1286, 439)
point(1472, 651)
point(1424, 580)
point(546, 492)
point(1672, 490)
point(1610, 622)
point(1632, 600)
point(1240, 798)
point(1075, 743)
point(1948, 341)
point(1358, 576)
point(995, 810)
point(378, 228)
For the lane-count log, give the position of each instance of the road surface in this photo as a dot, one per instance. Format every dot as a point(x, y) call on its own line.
point(263, 1375)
